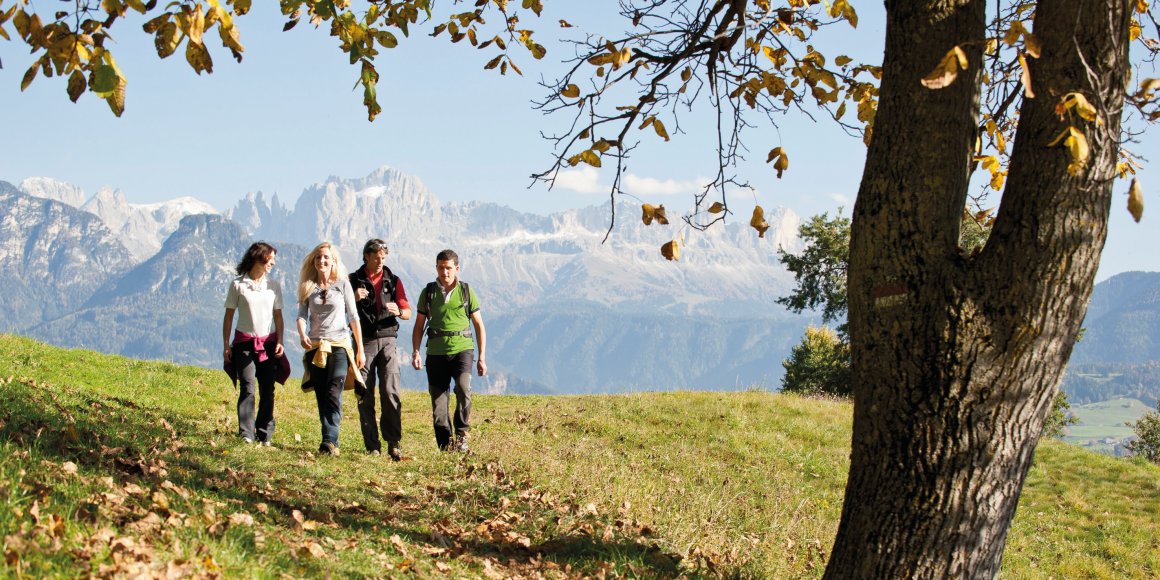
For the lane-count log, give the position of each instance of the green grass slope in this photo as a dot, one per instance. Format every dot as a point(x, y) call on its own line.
point(1105, 419)
point(117, 467)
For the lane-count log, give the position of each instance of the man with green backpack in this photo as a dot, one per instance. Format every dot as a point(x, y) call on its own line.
point(447, 310)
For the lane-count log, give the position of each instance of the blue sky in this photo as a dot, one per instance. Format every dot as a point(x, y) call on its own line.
point(287, 117)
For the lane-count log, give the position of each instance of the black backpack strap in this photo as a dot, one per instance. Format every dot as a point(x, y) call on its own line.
point(466, 301)
point(425, 302)
point(390, 283)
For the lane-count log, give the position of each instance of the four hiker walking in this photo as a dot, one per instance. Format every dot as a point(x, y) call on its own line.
point(349, 328)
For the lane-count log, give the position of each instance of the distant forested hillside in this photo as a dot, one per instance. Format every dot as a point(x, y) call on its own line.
point(1092, 383)
point(1119, 355)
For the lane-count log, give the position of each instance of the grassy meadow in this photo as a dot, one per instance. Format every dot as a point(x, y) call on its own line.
point(1106, 419)
point(116, 467)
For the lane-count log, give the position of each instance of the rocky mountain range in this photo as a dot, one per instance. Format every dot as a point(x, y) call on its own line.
point(566, 312)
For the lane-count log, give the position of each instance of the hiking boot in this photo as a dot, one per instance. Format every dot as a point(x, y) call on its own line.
point(461, 444)
point(394, 451)
point(328, 448)
point(374, 453)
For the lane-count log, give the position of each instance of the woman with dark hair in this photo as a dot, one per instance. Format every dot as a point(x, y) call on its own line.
point(326, 303)
point(254, 352)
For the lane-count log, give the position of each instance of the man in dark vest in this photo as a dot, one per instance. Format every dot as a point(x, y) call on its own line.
point(382, 302)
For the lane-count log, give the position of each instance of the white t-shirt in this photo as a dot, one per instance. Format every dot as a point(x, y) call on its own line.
point(255, 302)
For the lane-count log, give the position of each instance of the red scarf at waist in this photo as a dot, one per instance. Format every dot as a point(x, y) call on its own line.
point(262, 346)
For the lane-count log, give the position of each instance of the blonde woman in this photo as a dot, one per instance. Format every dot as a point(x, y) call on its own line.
point(326, 303)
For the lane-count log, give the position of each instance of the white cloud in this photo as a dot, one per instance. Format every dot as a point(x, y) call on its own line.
point(652, 186)
point(581, 180)
point(841, 198)
point(586, 179)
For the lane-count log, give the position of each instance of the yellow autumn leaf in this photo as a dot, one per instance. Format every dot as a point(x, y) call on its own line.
point(1136, 200)
point(842, 8)
point(650, 213)
point(1147, 87)
point(717, 207)
point(647, 213)
point(659, 127)
point(997, 178)
point(167, 39)
point(947, 70)
point(989, 162)
point(198, 57)
point(621, 57)
point(757, 222)
point(600, 59)
point(197, 26)
point(1079, 103)
point(590, 157)
point(780, 160)
point(781, 164)
point(1076, 143)
point(671, 251)
point(571, 91)
point(1032, 45)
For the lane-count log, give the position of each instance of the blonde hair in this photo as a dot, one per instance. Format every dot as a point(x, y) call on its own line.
point(308, 274)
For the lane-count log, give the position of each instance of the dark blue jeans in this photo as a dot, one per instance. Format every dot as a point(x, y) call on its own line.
point(328, 392)
point(442, 371)
point(254, 378)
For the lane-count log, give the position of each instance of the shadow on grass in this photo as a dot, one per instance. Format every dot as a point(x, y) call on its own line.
point(119, 437)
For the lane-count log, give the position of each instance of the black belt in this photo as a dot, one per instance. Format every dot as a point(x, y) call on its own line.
point(431, 332)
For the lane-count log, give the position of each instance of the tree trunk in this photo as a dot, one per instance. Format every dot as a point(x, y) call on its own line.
point(956, 359)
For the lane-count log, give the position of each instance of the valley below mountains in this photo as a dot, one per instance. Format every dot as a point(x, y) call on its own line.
point(565, 312)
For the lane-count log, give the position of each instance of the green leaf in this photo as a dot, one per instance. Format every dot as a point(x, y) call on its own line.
point(104, 80)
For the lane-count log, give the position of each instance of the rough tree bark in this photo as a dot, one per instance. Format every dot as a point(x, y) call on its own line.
point(956, 358)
